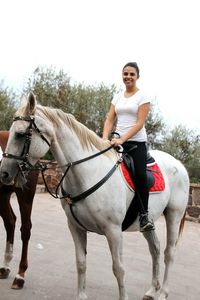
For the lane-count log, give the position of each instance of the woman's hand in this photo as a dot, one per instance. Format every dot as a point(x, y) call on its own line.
point(117, 141)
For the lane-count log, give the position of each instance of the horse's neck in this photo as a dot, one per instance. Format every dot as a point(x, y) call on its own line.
point(67, 147)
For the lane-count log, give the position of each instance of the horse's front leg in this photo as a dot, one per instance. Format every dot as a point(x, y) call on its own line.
point(8, 255)
point(114, 237)
point(9, 220)
point(80, 242)
point(19, 280)
point(25, 200)
point(154, 248)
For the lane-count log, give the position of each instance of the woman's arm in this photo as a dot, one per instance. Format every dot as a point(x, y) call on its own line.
point(109, 122)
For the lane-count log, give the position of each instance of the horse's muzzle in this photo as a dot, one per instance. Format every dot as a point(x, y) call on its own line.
point(5, 178)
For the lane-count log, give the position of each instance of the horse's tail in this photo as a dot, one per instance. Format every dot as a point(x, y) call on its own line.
point(181, 227)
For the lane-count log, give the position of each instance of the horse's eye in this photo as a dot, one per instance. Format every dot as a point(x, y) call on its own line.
point(19, 135)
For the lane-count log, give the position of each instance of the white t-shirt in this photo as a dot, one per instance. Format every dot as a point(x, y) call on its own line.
point(126, 110)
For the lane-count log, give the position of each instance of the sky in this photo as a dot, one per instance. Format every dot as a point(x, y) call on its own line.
point(91, 40)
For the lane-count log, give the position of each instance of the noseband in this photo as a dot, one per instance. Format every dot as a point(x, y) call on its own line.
point(23, 162)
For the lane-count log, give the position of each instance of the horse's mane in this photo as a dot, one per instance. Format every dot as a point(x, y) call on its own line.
point(87, 137)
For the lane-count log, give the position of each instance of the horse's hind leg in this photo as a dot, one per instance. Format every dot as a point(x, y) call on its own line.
point(173, 220)
point(154, 248)
point(9, 220)
point(80, 241)
point(114, 237)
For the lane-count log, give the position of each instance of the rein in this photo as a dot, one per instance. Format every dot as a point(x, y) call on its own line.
point(25, 165)
point(68, 166)
point(91, 190)
point(72, 200)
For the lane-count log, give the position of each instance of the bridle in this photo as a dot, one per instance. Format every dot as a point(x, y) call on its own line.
point(22, 160)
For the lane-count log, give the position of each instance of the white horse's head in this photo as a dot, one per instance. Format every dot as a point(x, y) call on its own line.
point(28, 142)
point(35, 130)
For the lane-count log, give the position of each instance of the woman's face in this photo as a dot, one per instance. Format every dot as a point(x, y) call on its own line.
point(129, 76)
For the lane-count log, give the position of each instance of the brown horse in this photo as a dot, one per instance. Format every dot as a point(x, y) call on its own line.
point(25, 199)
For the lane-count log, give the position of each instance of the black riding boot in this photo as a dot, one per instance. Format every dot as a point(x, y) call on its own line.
point(145, 223)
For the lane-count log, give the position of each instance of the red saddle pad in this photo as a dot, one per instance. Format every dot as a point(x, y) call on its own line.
point(159, 184)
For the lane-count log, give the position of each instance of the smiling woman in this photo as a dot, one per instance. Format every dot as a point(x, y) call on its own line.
point(129, 109)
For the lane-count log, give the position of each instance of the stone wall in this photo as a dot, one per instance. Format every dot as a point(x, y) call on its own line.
point(193, 209)
point(53, 175)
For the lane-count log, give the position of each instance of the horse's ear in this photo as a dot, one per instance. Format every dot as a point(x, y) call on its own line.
point(23, 101)
point(31, 104)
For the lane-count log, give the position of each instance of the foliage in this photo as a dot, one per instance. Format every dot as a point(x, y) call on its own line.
point(194, 174)
point(183, 144)
point(89, 104)
point(7, 107)
point(155, 127)
point(51, 88)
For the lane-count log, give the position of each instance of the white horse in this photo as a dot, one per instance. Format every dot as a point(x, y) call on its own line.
point(36, 129)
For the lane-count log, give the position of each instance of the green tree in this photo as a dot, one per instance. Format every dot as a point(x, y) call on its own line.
point(7, 107)
point(155, 126)
point(89, 104)
point(50, 87)
point(184, 144)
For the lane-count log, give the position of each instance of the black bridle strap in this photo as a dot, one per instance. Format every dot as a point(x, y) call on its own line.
point(94, 187)
point(31, 119)
point(90, 157)
point(25, 152)
point(8, 155)
point(98, 184)
point(40, 133)
point(73, 200)
point(68, 166)
point(26, 147)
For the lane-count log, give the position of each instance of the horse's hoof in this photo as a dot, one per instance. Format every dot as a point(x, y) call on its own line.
point(4, 273)
point(18, 283)
point(148, 298)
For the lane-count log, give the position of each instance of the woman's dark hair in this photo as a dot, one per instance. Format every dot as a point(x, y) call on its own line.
point(134, 65)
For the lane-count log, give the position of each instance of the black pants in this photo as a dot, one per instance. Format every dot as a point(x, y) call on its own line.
point(139, 155)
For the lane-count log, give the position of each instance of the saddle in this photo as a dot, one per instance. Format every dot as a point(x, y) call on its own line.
point(129, 164)
point(155, 183)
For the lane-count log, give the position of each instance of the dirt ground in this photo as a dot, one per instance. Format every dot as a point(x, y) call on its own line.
point(52, 270)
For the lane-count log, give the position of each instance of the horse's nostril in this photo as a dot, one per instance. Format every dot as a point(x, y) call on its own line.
point(5, 175)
